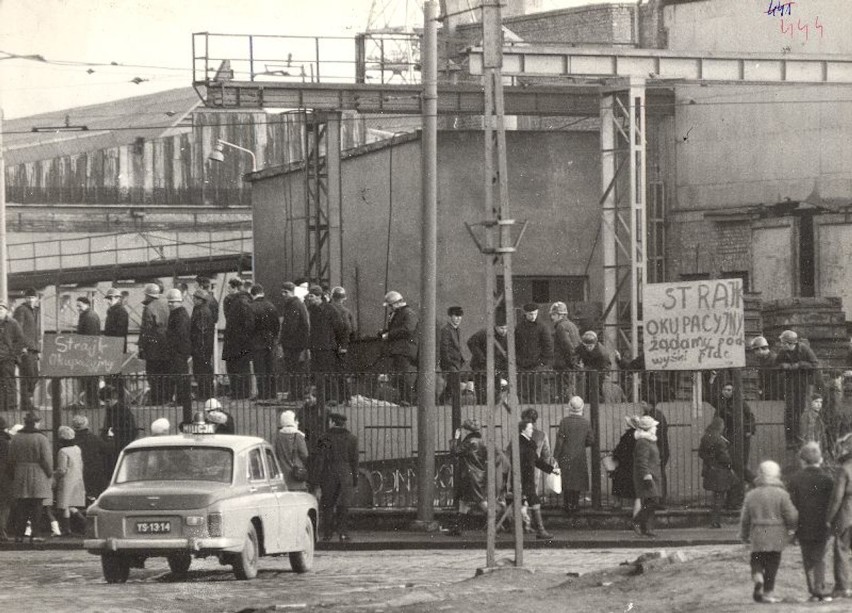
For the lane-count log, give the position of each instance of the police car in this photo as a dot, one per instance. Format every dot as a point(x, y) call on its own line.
point(199, 494)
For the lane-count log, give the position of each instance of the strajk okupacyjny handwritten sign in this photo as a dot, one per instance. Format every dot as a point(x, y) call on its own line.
point(694, 325)
point(78, 355)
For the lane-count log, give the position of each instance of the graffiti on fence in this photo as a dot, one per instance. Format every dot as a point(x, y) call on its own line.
point(394, 482)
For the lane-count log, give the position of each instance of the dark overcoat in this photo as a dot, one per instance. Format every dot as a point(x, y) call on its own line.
point(31, 464)
point(574, 435)
point(646, 461)
point(810, 490)
point(715, 457)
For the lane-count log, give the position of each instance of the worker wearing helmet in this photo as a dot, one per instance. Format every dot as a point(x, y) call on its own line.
point(401, 344)
point(799, 361)
point(152, 342)
point(763, 359)
point(179, 348)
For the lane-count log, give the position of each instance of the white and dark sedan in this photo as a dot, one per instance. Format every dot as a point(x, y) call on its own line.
point(197, 495)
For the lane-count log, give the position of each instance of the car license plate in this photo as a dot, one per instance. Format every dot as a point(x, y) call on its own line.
point(153, 527)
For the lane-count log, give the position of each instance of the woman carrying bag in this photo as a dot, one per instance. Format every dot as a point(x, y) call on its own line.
point(717, 475)
point(292, 452)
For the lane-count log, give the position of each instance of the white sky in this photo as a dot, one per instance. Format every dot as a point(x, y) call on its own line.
point(146, 32)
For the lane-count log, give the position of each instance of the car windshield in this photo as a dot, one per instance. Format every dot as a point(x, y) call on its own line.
point(176, 464)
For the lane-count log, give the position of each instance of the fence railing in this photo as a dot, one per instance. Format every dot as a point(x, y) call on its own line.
point(381, 411)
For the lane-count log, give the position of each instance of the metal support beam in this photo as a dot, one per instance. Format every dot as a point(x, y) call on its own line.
point(624, 226)
point(661, 65)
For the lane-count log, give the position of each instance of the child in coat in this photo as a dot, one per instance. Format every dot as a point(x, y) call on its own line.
point(810, 490)
point(767, 522)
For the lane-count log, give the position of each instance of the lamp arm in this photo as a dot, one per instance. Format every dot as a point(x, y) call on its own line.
point(251, 153)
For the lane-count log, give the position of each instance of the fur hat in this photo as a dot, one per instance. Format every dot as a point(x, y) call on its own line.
point(30, 291)
point(288, 286)
point(160, 426)
point(472, 425)
point(84, 300)
point(576, 406)
point(339, 419)
point(769, 471)
point(65, 433)
point(455, 311)
point(589, 337)
point(646, 422)
point(287, 419)
point(79, 422)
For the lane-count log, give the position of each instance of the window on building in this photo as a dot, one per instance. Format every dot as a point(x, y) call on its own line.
point(548, 289)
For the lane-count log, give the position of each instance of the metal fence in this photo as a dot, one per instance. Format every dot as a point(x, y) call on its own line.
point(381, 411)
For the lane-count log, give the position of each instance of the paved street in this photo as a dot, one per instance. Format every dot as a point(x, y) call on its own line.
point(60, 581)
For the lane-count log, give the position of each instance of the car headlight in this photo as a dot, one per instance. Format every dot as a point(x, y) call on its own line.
point(194, 520)
point(214, 524)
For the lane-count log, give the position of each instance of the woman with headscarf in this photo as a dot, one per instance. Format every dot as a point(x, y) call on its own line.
point(472, 459)
point(717, 476)
point(622, 474)
point(646, 475)
point(768, 522)
point(529, 462)
point(291, 450)
point(31, 467)
point(70, 489)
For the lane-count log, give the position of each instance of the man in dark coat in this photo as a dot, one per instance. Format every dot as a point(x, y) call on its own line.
point(117, 319)
point(595, 359)
point(338, 449)
point(179, 347)
point(96, 454)
point(797, 363)
point(329, 343)
point(239, 329)
point(566, 339)
point(725, 410)
point(202, 331)
point(470, 455)
point(25, 314)
point(205, 284)
point(338, 301)
point(152, 343)
point(12, 343)
point(30, 463)
point(770, 379)
point(402, 344)
point(89, 324)
point(478, 345)
point(263, 342)
point(810, 490)
point(119, 428)
point(574, 435)
point(451, 362)
point(5, 480)
point(534, 351)
point(294, 338)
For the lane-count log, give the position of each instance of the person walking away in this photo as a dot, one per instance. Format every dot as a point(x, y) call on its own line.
point(810, 490)
point(402, 344)
point(179, 349)
point(338, 449)
point(239, 329)
point(96, 455)
point(202, 334)
point(768, 521)
point(152, 344)
point(646, 475)
point(716, 467)
point(529, 462)
point(451, 362)
point(797, 363)
point(566, 339)
point(263, 342)
point(662, 446)
point(12, 344)
point(839, 519)
point(294, 338)
point(622, 474)
point(574, 435)
point(534, 353)
point(5, 479)
point(31, 466)
point(68, 475)
point(291, 451)
point(27, 317)
point(812, 426)
point(471, 459)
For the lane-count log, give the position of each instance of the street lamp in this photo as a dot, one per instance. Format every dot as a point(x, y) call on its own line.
point(218, 154)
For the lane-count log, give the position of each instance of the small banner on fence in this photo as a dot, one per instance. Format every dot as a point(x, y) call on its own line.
point(80, 355)
point(694, 325)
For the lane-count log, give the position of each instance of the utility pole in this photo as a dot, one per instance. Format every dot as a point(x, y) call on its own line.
point(428, 273)
point(4, 272)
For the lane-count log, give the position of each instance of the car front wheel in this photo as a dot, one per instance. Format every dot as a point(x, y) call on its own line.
point(245, 562)
point(116, 567)
point(179, 562)
point(303, 561)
